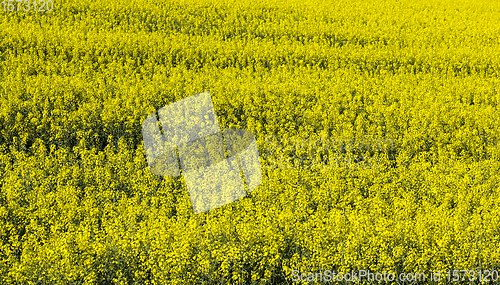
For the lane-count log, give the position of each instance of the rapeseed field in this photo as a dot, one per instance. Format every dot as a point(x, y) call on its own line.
point(377, 126)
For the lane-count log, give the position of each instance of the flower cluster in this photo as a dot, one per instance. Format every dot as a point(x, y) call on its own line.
point(376, 123)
